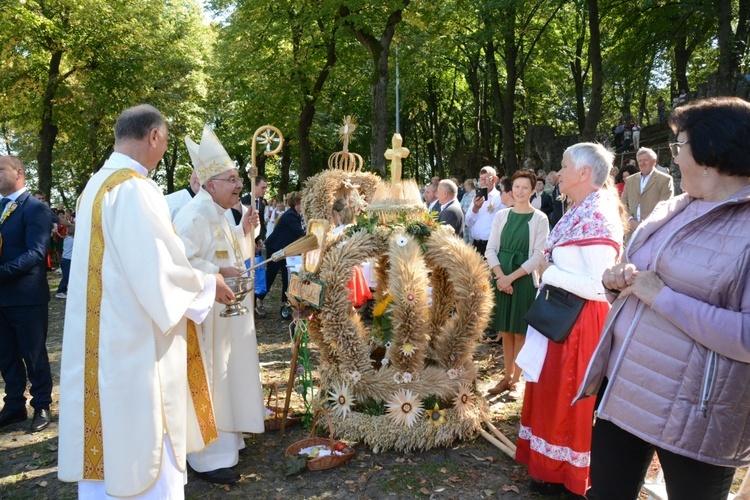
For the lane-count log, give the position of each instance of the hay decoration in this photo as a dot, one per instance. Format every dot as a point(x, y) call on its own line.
point(469, 278)
point(408, 286)
point(343, 333)
point(420, 347)
point(323, 189)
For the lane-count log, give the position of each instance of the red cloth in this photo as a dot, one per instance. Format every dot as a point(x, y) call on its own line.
point(359, 291)
point(555, 437)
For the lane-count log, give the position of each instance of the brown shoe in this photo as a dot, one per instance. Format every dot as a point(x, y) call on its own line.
point(501, 387)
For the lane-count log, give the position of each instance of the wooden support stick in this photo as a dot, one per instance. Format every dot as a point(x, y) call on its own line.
point(500, 435)
point(290, 382)
point(486, 435)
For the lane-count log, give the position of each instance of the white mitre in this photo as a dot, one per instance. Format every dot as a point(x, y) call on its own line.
point(209, 158)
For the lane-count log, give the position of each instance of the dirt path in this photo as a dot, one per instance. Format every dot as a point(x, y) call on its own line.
point(475, 469)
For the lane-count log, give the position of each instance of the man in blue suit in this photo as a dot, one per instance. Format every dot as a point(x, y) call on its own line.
point(24, 296)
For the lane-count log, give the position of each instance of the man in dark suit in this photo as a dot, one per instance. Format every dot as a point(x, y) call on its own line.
point(24, 295)
point(261, 186)
point(450, 209)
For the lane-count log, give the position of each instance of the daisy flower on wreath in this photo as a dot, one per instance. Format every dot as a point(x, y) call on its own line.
point(464, 400)
point(436, 416)
point(404, 408)
point(341, 400)
point(408, 349)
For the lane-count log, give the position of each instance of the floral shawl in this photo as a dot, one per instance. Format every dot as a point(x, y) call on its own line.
point(596, 221)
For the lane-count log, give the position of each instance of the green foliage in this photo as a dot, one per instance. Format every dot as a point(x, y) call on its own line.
point(372, 407)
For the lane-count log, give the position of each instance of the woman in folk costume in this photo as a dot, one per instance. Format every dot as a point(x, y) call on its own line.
point(555, 437)
point(229, 345)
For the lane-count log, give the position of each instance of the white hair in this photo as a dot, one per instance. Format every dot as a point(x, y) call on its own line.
point(593, 155)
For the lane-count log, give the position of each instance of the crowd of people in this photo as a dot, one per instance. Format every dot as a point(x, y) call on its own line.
point(660, 353)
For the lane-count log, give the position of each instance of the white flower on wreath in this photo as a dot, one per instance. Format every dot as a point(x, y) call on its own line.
point(453, 374)
point(388, 345)
point(406, 377)
point(404, 408)
point(341, 400)
point(408, 349)
point(397, 378)
point(356, 376)
point(401, 241)
point(464, 400)
point(384, 361)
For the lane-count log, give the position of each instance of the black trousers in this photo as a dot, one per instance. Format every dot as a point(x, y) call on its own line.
point(481, 246)
point(272, 269)
point(23, 350)
point(620, 461)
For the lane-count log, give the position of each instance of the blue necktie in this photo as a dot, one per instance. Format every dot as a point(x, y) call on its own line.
point(3, 203)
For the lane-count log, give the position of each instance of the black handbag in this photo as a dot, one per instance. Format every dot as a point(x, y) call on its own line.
point(554, 312)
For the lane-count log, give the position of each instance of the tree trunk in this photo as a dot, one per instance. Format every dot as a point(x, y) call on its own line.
point(511, 55)
point(597, 74)
point(732, 46)
point(379, 50)
point(48, 130)
point(308, 110)
point(579, 78)
point(681, 59)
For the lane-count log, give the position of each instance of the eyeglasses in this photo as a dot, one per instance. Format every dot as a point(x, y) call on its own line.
point(231, 180)
point(674, 147)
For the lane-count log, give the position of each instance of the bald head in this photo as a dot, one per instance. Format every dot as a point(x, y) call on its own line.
point(12, 175)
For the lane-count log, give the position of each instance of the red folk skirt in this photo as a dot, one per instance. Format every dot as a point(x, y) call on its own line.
point(359, 291)
point(555, 437)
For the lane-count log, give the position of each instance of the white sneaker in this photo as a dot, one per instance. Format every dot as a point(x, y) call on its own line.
point(61, 295)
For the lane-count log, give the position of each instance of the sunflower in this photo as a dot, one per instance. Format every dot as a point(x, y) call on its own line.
point(404, 408)
point(341, 400)
point(436, 416)
point(408, 349)
point(381, 306)
point(464, 400)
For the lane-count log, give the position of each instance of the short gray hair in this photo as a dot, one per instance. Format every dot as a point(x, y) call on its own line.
point(489, 171)
point(593, 155)
point(449, 186)
point(136, 122)
point(647, 151)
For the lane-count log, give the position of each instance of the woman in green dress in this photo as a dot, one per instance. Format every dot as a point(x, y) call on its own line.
point(515, 250)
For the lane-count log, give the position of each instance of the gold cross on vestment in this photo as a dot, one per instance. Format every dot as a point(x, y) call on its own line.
point(396, 154)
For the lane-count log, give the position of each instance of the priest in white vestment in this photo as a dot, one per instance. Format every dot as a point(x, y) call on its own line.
point(180, 198)
point(229, 345)
point(128, 413)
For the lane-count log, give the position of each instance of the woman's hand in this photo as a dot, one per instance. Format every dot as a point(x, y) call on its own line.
point(619, 277)
point(508, 289)
point(646, 285)
point(504, 282)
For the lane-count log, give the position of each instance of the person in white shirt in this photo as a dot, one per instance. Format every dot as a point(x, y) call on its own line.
point(483, 210)
point(180, 198)
point(430, 198)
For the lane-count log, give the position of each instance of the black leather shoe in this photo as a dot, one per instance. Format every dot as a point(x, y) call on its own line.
point(41, 419)
point(224, 475)
point(8, 417)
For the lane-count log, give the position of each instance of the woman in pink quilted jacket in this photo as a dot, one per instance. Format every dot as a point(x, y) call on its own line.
point(672, 369)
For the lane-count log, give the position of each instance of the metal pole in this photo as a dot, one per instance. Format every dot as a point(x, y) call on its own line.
point(398, 101)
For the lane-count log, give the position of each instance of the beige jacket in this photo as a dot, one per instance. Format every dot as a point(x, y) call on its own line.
point(538, 232)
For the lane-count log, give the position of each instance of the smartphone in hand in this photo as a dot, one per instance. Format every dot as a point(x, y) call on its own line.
point(482, 192)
